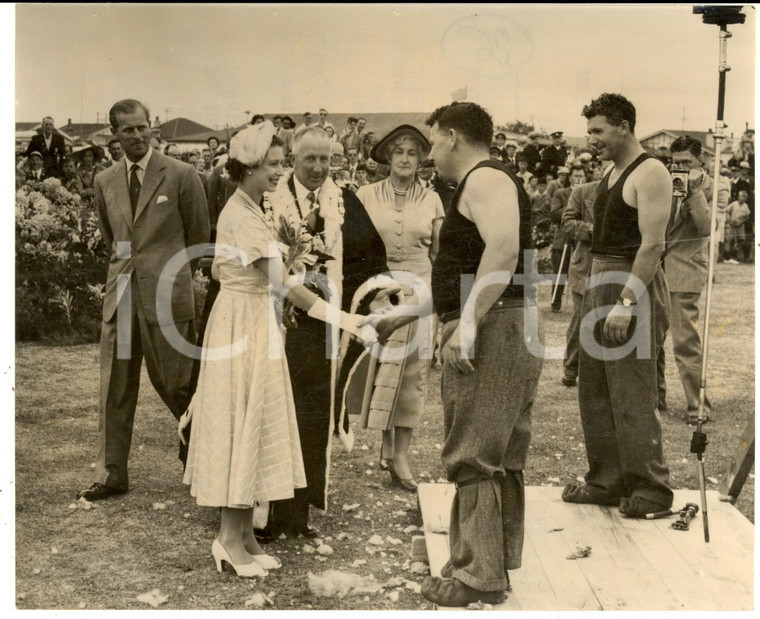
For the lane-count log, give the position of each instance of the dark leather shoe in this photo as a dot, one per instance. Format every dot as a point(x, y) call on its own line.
point(408, 484)
point(99, 491)
point(264, 536)
point(569, 382)
point(308, 531)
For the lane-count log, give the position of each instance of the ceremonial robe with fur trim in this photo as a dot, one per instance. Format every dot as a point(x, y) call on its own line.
point(313, 348)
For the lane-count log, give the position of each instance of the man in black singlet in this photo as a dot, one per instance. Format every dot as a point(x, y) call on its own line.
point(489, 374)
point(619, 347)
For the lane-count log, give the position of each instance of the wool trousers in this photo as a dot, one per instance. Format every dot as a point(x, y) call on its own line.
point(487, 426)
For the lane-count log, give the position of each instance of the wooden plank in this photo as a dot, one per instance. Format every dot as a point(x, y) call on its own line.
point(634, 564)
point(614, 569)
point(437, 550)
point(689, 590)
point(569, 583)
point(741, 463)
point(435, 506)
point(728, 560)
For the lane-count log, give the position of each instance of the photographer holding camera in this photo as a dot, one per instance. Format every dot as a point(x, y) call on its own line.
point(685, 265)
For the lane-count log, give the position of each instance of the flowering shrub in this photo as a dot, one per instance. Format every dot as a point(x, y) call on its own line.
point(61, 265)
point(543, 236)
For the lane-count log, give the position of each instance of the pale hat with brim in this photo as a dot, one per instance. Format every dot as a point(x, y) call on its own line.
point(381, 151)
point(36, 153)
point(79, 151)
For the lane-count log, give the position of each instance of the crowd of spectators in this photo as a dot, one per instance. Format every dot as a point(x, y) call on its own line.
point(543, 168)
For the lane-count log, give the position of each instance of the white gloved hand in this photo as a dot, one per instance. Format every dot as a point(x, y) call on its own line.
point(368, 333)
point(321, 310)
point(184, 421)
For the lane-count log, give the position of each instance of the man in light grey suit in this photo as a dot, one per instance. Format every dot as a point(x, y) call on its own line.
point(151, 208)
point(685, 266)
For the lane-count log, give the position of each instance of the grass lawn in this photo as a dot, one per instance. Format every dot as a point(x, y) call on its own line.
point(155, 537)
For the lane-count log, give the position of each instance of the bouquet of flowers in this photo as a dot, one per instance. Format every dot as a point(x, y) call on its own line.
point(303, 251)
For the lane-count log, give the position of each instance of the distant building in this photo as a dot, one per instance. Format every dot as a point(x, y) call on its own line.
point(86, 132)
point(177, 128)
point(665, 137)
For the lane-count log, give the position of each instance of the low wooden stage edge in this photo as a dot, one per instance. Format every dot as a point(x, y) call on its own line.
point(640, 565)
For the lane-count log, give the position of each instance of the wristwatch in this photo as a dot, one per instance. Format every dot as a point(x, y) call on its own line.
point(626, 302)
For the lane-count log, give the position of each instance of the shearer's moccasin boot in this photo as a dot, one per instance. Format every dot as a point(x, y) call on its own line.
point(639, 507)
point(581, 493)
point(447, 571)
point(453, 592)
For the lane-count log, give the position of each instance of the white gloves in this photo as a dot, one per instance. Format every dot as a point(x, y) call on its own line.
point(325, 312)
point(184, 421)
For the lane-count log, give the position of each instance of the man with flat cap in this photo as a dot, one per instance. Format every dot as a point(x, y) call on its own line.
point(555, 155)
point(738, 183)
point(501, 144)
point(34, 169)
point(425, 174)
point(532, 151)
point(510, 160)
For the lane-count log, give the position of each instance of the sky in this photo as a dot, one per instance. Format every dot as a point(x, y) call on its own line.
point(538, 64)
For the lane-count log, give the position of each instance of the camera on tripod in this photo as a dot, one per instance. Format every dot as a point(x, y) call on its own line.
point(720, 15)
point(680, 178)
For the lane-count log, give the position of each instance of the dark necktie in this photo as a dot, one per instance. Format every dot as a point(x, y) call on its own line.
point(312, 199)
point(134, 188)
point(313, 218)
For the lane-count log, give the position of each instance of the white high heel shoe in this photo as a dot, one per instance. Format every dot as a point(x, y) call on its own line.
point(246, 570)
point(268, 562)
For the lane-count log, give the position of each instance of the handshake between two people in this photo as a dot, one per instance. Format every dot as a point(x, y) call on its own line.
point(384, 318)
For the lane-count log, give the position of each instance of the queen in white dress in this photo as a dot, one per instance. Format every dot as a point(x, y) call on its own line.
point(244, 446)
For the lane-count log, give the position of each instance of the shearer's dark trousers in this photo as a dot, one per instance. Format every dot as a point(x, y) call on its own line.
point(487, 422)
point(618, 398)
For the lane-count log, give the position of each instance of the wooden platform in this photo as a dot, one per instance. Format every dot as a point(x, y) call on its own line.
point(634, 564)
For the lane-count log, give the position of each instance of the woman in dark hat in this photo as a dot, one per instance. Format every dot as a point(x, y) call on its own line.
point(408, 218)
